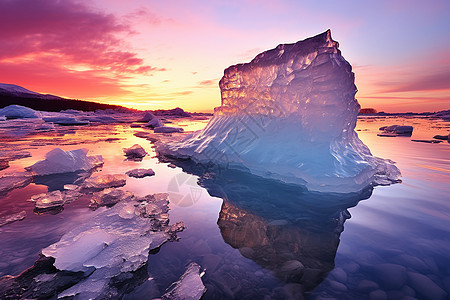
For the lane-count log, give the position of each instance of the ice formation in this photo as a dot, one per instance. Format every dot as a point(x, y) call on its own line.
point(19, 112)
point(10, 181)
point(140, 173)
point(167, 129)
point(59, 161)
point(396, 130)
point(12, 218)
point(190, 285)
point(290, 115)
point(105, 248)
point(135, 152)
point(100, 182)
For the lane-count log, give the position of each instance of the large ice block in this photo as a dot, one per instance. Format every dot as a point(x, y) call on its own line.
point(290, 115)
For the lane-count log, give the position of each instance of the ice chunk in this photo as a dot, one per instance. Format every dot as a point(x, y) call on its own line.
point(59, 161)
point(135, 152)
point(396, 130)
point(114, 241)
point(167, 129)
point(12, 218)
point(101, 182)
point(10, 181)
point(289, 115)
point(140, 173)
point(154, 123)
point(19, 112)
point(2, 118)
point(65, 120)
point(109, 197)
point(148, 116)
point(55, 199)
point(190, 285)
point(48, 200)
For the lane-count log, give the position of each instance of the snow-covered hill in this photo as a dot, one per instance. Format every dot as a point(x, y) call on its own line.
point(18, 91)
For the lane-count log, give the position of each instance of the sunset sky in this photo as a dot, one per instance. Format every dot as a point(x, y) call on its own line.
point(150, 54)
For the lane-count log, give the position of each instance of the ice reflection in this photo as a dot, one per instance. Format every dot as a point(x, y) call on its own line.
point(285, 229)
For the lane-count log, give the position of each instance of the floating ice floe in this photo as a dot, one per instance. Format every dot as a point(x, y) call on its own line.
point(105, 248)
point(19, 112)
point(167, 129)
point(135, 152)
point(4, 164)
point(109, 197)
point(189, 286)
point(289, 115)
point(12, 218)
point(10, 181)
point(396, 130)
point(154, 123)
point(65, 120)
point(140, 173)
point(55, 199)
point(100, 182)
point(2, 118)
point(59, 161)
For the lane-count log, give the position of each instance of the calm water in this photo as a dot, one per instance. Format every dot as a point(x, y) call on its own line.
point(261, 239)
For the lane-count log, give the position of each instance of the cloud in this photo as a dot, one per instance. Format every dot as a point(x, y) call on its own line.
point(211, 82)
point(434, 82)
point(71, 31)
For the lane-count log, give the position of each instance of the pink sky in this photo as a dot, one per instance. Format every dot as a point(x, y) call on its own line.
point(163, 54)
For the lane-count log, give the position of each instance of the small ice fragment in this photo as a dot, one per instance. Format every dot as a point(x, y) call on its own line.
point(189, 286)
point(19, 112)
point(2, 118)
point(140, 173)
point(48, 200)
point(167, 129)
point(109, 197)
point(135, 152)
point(10, 181)
point(101, 182)
point(396, 130)
point(12, 218)
point(59, 161)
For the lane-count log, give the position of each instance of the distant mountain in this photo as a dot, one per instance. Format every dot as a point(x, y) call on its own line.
point(14, 94)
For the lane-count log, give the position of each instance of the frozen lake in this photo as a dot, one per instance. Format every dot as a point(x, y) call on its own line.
point(257, 238)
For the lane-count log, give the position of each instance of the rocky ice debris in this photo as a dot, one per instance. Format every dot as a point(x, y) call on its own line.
point(189, 286)
point(19, 112)
point(107, 251)
point(10, 181)
point(135, 152)
point(148, 116)
point(4, 164)
point(100, 182)
point(12, 218)
point(289, 115)
point(140, 173)
point(59, 161)
point(396, 130)
point(167, 129)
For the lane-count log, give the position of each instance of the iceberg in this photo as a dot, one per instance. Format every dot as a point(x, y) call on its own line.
point(59, 161)
point(289, 115)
